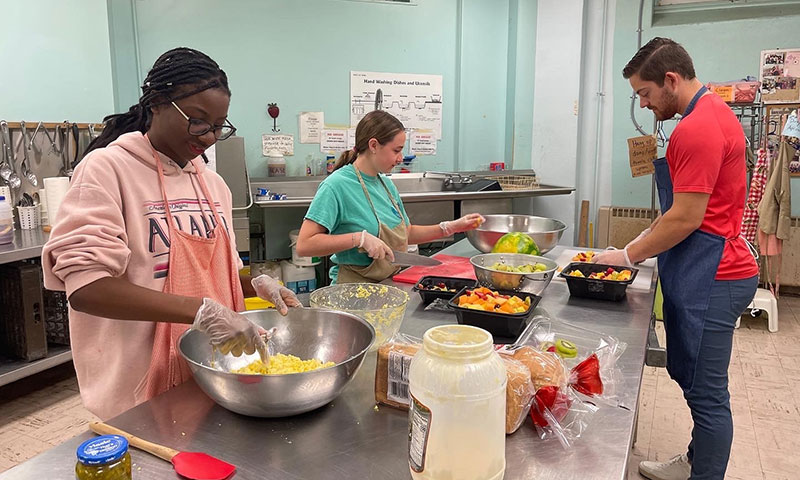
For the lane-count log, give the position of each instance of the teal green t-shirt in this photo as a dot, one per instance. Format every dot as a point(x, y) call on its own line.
point(341, 207)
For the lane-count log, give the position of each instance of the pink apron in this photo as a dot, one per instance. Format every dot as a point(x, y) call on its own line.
point(198, 267)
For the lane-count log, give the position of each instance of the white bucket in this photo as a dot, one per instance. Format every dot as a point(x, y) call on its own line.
point(297, 260)
point(298, 278)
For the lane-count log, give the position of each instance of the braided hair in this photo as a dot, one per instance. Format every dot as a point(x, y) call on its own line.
point(174, 69)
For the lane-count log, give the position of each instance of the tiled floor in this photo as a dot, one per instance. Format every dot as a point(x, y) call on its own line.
point(764, 386)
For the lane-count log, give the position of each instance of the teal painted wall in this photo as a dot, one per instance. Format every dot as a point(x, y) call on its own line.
point(56, 61)
point(300, 54)
point(724, 50)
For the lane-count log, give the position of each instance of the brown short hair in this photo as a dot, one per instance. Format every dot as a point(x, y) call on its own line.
point(659, 56)
point(377, 124)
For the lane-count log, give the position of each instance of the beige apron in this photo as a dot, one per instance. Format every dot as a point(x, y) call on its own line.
point(396, 238)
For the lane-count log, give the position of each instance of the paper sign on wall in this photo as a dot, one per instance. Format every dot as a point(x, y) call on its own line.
point(792, 127)
point(333, 140)
point(311, 123)
point(422, 143)
point(351, 137)
point(281, 143)
point(642, 151)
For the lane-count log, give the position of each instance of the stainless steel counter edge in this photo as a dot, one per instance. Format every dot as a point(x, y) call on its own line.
point(351, 438)
point(27, 244)
point(544, 190)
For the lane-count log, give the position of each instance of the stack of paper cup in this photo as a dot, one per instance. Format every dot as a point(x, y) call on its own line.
point(55, 191)
point(43, 207)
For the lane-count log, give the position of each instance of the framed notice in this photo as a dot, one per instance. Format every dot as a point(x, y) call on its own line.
point(779, 74)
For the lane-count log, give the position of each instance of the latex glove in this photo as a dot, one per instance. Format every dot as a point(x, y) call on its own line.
point(375, 247)
point(230, 331)
point(463, 224)
point(612, 256)
point(644, 233)
point(271, 290)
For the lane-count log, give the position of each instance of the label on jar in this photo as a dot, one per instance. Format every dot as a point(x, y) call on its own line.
point(397, 384)
point(419, 426)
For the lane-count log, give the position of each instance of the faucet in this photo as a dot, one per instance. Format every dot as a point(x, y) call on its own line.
point(452, 179)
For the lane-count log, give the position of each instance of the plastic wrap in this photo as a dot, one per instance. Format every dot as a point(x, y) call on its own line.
point(519, 393)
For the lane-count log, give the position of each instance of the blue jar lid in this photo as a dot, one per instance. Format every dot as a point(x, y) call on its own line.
point(103, 449)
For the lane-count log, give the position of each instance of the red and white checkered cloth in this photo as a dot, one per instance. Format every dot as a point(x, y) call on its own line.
point(757, 185)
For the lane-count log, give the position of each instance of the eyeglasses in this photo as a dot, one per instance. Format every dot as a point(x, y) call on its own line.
point(199, 127)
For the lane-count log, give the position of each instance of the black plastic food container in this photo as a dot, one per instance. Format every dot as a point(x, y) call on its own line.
point(429, 295)
point(598, 289)
point(498, 324)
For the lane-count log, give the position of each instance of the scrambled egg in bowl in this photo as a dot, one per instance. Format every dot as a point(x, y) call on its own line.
point(280, 364)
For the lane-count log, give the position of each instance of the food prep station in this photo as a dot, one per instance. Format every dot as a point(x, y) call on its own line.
point(352, 437)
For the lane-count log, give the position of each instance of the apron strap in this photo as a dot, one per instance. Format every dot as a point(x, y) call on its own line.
point(207, 194)
point(369, 199)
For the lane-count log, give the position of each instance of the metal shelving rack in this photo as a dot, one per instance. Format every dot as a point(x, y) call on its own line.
point(28, 244)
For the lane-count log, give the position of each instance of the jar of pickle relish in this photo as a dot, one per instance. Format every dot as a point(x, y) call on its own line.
point(104, 458)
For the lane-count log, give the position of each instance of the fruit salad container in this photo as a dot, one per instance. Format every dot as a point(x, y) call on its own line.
point(597, 288)
point(499, 324)
point(514, 271)
point(430, 288)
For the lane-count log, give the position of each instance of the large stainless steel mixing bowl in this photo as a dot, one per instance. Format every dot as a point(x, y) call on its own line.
point(546, 232)
point(326, 335)
point(534, 283)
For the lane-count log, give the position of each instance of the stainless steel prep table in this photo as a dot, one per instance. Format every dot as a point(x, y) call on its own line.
point(351, 439)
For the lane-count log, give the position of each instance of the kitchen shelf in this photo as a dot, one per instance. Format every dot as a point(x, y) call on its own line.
point(27, 244)
point(12, 370)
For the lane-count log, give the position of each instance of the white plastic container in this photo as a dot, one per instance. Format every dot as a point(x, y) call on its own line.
point(298, 260)
point(458, 406)
point(276, 164)
point(28, 217)
point(6, 221)
point(297, 278)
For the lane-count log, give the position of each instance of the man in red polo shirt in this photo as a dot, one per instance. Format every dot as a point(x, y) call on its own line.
point(708, 274)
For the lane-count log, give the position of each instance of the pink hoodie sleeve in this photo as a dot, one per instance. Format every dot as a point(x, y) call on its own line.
point(89, 240)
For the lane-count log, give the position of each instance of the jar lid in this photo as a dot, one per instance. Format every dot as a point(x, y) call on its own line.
point(103, 449)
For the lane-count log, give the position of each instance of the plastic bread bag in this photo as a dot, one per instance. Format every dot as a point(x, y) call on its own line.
point(438, 305)
point(391, 370)
point(574, 345)
point(558, 414)
point(519, 393)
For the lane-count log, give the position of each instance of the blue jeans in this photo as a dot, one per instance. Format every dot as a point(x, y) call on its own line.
point(708, 398)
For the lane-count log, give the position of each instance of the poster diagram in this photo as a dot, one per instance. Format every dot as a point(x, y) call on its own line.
point(415, 99)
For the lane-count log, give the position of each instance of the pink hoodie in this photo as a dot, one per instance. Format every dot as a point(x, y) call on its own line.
point(112, 224)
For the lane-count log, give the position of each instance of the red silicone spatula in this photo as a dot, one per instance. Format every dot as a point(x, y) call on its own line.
point(193, 465)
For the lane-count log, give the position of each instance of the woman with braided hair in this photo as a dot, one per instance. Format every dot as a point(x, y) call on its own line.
point(144, 245)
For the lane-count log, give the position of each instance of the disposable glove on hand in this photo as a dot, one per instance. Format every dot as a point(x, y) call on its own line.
point(644, 233)
point(230, 331)
point(612, 256)
point(463, 224)
point(271, 290)
point(375, 247)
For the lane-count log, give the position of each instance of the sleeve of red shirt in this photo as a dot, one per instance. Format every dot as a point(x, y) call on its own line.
point(695, 161)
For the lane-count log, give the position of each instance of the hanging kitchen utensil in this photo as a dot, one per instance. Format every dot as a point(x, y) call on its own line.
point(7, 172)
point(35, 132)
point(193, 465)
point(24, 169)
point(76, 135)
point(53, 139)
point(66, 170)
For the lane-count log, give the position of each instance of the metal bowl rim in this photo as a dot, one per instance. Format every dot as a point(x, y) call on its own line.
point(280, 375)
point(475, 265)
point(561, 228)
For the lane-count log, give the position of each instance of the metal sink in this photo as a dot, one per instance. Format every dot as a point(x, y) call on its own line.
point(405, 183)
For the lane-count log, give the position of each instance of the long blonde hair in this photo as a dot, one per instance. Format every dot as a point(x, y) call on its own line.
point(377, 124)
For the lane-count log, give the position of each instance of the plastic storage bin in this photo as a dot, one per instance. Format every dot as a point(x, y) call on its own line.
point(598, 289)
point(508, 325)
point(6, 221)
point(456, 284)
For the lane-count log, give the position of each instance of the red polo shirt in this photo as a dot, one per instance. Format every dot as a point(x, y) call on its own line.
point(706, 154)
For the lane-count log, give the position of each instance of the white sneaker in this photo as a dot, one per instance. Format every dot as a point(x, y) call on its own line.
point(677, 468)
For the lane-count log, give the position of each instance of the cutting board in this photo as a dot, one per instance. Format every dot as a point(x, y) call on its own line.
point(641, 282)
point(452, 266)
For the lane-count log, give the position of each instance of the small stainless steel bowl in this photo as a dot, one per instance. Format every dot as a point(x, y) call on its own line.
point(307, 333)
point(534, 283)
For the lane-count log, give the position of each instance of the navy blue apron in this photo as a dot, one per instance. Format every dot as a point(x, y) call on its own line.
point(687, 272)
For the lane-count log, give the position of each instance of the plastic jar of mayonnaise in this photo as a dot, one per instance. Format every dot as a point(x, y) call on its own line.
point(458, 406)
